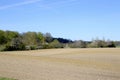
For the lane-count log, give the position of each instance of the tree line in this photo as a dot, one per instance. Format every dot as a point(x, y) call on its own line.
point(12, 40)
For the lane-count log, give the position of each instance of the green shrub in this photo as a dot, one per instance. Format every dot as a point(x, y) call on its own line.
point(32, 47)
point(9, 47)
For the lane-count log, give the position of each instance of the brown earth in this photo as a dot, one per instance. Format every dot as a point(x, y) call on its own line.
point(61, 64)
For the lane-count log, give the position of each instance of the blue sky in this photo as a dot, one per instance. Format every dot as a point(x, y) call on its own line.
point(72, 19)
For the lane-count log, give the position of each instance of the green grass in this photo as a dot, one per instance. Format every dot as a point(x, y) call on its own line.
point(118, 46)
point(6, 79)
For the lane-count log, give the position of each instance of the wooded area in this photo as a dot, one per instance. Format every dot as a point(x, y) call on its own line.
point(12, 40)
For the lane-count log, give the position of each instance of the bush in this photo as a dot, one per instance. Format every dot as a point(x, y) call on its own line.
point(32, 47)
point(78, 44)
point(55, 44)
point(9, 47)
point(46, 46)
point(111, 44)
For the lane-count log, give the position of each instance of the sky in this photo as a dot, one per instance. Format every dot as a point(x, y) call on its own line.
point(71, 19)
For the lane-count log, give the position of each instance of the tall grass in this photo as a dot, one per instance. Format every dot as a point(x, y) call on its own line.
point(7, 78)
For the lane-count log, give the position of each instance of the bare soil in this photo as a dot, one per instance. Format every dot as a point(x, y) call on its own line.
point(61, 64)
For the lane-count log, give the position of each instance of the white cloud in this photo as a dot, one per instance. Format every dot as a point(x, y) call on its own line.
point(19, 4)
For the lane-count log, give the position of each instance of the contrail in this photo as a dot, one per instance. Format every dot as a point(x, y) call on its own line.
point(19, 4)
